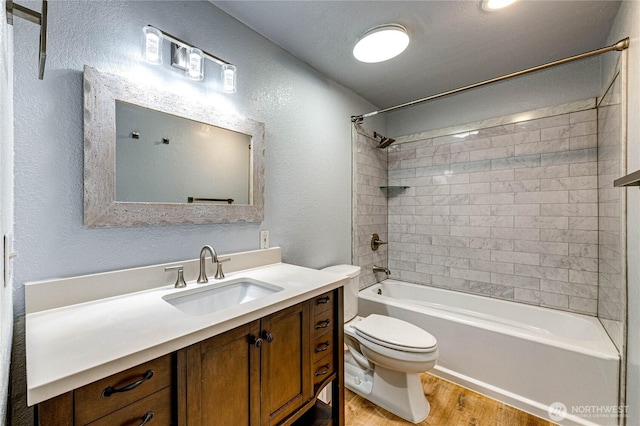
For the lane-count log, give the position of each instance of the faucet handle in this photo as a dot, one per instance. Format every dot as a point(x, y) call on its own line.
point(219, 273)
point(180, 282)
point(376, 242)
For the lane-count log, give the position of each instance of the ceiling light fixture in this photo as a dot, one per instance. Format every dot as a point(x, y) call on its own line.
point(381, 43)
point(185, 56)
point(491, 5)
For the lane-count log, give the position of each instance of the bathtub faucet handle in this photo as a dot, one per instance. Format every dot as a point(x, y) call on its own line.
point(376, 242)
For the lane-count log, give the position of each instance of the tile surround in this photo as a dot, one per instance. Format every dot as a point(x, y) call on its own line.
point(504, 209)
point(370, 207)
point(532, 120)
point(508, 211)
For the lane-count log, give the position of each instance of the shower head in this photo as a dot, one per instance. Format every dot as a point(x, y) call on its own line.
point(384, 141)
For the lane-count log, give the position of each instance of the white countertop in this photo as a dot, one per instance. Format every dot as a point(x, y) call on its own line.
point(71, 346)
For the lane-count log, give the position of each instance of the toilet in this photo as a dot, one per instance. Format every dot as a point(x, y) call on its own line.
point(384, 356)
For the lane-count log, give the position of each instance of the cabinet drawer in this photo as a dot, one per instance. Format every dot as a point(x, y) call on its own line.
point(322, 303)
point(322, 369)
point(155, 409)
point(92, 402)
point(322, 323)
point(322, 347)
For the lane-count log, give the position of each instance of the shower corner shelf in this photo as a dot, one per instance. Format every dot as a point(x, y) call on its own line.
point(394, 187)
point(393, 190)
point(632, 179)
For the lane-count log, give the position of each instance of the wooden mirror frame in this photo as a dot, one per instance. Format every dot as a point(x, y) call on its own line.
point(101, 209)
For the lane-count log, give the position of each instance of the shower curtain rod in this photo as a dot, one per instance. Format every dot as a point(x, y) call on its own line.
point(619, 46)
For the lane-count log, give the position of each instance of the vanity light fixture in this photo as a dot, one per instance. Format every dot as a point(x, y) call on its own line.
point(381, 43)
point(491, 5)
point(185, 57)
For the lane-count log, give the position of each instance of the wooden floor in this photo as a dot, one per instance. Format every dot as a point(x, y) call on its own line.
point(451, 405)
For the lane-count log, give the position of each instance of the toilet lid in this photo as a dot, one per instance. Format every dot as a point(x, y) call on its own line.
point(395, 334)
point(350, 271)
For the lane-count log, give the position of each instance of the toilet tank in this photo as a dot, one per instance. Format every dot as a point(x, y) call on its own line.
point(350, 290)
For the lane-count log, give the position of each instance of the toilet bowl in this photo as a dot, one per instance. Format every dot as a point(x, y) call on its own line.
point(384, 356)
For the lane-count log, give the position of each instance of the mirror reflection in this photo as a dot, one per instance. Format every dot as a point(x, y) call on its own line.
point(163, 158)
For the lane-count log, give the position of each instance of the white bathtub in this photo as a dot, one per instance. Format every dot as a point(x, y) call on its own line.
point(526, 356)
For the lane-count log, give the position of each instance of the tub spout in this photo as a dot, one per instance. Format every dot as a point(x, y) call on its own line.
point(381, 269)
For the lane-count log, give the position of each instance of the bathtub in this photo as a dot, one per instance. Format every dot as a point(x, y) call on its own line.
point(525, 356)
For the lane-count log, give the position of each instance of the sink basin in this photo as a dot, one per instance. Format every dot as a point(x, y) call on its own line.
point(215, 298)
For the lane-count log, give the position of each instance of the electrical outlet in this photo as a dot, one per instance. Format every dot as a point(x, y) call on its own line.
point(264, 239)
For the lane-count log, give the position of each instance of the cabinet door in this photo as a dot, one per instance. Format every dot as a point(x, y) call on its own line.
point(223, 379)
point(285, 363)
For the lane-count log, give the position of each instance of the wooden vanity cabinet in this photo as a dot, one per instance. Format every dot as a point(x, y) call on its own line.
point(267, 372)
point(257, 374)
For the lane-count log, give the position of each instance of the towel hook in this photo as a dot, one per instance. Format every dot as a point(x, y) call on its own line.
point(40, 18)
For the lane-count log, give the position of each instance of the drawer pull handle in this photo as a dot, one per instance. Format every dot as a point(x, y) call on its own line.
point(323, 324)
point(322, 300)
point(108, 391)
point(147, 418)
point(322, 347)
point(327, 367)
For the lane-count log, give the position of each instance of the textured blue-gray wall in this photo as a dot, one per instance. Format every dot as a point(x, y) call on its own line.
point(308, 145)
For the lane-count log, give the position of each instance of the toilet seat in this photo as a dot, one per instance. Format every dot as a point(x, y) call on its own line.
point(393, 355)
point(395, 334)
point(395, 359)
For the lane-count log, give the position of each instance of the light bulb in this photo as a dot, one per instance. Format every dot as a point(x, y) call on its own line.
point(228, 78)
point(152, 45)
point(195, 64)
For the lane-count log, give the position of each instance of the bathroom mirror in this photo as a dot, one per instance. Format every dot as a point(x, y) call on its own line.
point(157, 158)
point(163, 158)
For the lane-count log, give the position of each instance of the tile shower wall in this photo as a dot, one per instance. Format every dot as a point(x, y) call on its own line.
point(370, 207)
point(508, 212)
point(612, 214)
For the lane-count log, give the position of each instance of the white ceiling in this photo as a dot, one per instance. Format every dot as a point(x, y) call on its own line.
point(453, 43)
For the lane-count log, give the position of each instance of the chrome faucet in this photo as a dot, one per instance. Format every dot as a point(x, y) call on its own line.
point(202, 278)
point(381, 269)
